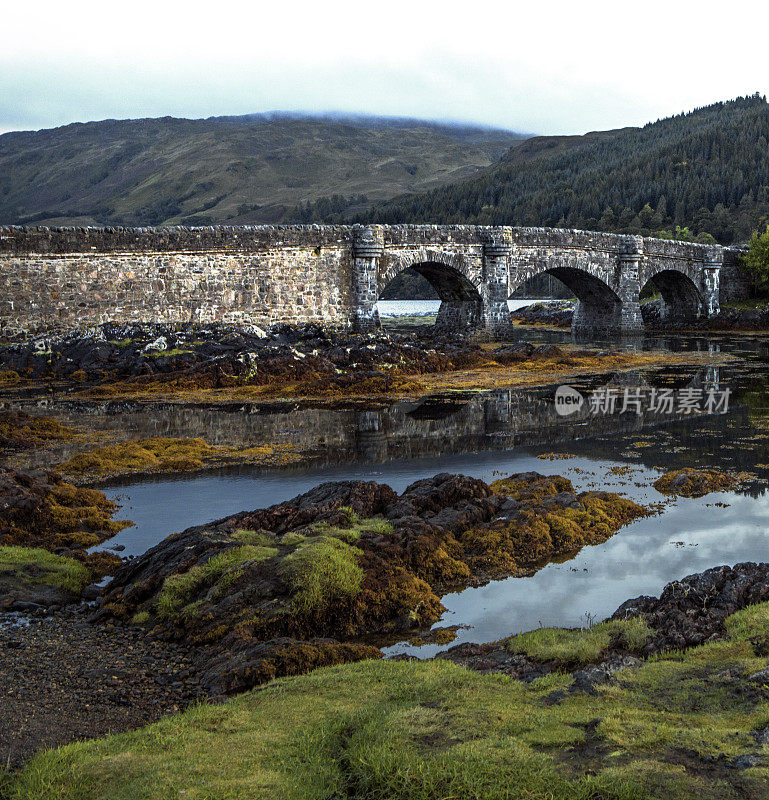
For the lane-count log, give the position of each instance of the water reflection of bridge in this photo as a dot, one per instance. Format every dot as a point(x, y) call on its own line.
point(428, 426)
point(503, 419)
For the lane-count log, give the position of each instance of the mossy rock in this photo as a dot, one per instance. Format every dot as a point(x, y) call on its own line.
point(34, 575)
point(694, 482)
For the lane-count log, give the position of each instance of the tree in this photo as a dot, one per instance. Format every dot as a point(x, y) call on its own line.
point(756, 261)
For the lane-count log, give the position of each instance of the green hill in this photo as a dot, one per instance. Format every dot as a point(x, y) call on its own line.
point(708, 170)
point(255, 168)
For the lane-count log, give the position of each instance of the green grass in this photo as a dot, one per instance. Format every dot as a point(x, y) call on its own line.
point(321, 571)
point(355, 526)
point(170, 353)
point(576, 647)
point(751, 622)
point(33, 566)
point(431, 730)
point(746, 305)
point(179, 591)
point(255, 538)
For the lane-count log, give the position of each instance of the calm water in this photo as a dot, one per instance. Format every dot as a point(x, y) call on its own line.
point(427, 308)
point(483, 435)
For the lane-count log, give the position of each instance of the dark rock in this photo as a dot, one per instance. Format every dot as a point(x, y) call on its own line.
point(495, 657)
point(692, 610)
point(762, 735)
point(745, 762)
point(91, 592)
point(558, 313)
point(585, 680)
point(21, 605)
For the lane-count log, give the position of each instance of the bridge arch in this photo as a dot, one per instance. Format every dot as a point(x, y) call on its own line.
point(452, 277)
point(599, 307)
point(681, 298)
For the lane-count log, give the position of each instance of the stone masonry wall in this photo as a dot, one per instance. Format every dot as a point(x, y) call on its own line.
point(47, 281)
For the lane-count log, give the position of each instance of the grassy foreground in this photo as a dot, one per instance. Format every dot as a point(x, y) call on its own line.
point(671, 728)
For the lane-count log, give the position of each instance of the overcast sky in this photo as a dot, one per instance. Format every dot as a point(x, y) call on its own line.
point(543, 67)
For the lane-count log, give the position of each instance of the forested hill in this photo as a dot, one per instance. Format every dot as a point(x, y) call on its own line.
point(708, 170)
point(237, 170)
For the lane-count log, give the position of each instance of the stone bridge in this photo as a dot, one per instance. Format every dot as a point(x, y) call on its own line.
point(70, 277)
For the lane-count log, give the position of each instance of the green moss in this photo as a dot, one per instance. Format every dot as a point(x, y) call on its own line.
point(34, 566)
point(429, 730)
point(355, 526)
point(141, 618)
point(255, 538)
point(320, 572)
point(576, 647)
point(214, 575)
point(292, 539)
point(174, 351)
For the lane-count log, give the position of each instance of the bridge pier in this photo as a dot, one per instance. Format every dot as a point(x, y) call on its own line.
point(495, 313)
point(630, 320)
point(367, 250)
point(711, 279)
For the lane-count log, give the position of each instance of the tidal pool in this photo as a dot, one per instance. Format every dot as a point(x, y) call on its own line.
point(484, 435)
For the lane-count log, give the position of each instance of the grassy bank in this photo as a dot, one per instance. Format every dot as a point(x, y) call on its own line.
point(678, 726)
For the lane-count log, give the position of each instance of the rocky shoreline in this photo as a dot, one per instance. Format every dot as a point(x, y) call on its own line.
point(307, 363)
point(64, 679)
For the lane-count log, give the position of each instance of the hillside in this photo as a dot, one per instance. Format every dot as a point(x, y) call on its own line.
point(708, 170)
point(255, 168)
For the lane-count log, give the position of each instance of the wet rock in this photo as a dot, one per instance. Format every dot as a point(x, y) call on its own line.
point(224, 355)
point(585, 680)
point(253, 663)
point(692, 610)
point(25, 606)
point(91, 592)
point(762, 735)
point(694, 482)
point(652, 312)
point(558, 313)
point(745, 762)
point(494, 657)
point(511, 353)
point(548, 351)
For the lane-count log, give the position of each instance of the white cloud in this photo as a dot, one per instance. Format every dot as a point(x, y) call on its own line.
point(559, 67)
